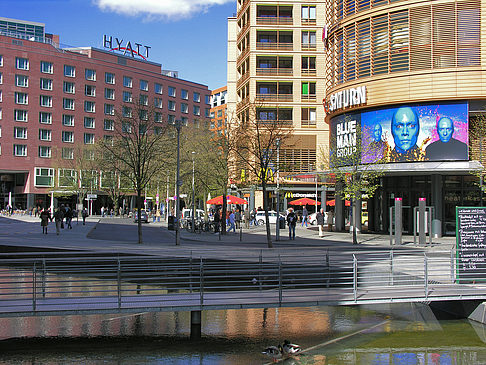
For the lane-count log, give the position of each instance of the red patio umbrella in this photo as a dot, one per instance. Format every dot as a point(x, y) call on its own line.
point(332, 203)
point(304, 201)
point(230, 199)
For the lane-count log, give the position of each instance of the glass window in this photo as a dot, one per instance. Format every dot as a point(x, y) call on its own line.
point(172, 91)
point(309, 88)
point(109, 109)
point(46, 100)
point(109, 78)
point(196, 110)
point(45, 134)
point(90, 74)
point(110, 94)
point(21, 81)
point(127, 112)
point(69, 71)
point(45, 151)
point(184, 94)
point(184, 108)
point(89, 106)
point(21, 98)
point(108, 125)
point(127, 81)
point(1, 78)
point(143, 99)
point(158, 117)
point(158, 103)
point(309, 39)
point(171, 118)
point(68, 87)
point(67, 137)
point(308, 12)
point(207, 112)
point(20, 115)
point(208, 99)
point(45, 118)
point(68, 103)
point(144, 85)
point(143, 114)
point(21, 63)
point(89, 122)
point(158, 88)
point(171, 105)
point(89, 138)
point(44, 177)
point(20, 150)
point(46, 84)
point(89, 90)
point(196, 97)
point(20, 132)
point(67, 153)
point(46, 67)
point(68, 120)
point(127, 96)
point(1, 60)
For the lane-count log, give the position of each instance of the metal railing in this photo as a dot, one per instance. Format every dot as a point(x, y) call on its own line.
point(83, 283)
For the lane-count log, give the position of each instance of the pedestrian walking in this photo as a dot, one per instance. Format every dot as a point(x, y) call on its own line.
point(58, 217)
point(291, 222)
point(217, 220)
point(231, 221)
point(330, 218)
point(84, 214)
point(45, 217)
point(305, 214)
point(320, 222)
point(69, 218)
point(238, 218)
point(247, 218)
point(253, 217)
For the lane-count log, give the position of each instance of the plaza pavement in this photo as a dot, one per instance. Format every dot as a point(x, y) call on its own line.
point(120, 235)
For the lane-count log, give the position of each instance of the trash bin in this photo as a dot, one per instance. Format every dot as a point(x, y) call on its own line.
point(170, 223)
point(282, 223)
point(436, 228)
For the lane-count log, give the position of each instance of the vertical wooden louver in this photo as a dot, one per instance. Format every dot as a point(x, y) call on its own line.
point(363, 48)
point(420, 38)
point(380, 44)
point(444, 30)
point(350, 49)
point(468, 33)
point(399, 41)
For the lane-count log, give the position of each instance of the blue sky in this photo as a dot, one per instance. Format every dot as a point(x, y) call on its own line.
point(188, 36)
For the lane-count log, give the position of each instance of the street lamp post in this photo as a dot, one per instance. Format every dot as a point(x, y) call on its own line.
point(178, 126)
point(193, 194)
point(277, 234)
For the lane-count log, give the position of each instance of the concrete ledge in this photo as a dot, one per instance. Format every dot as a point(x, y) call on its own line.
point(479, 314)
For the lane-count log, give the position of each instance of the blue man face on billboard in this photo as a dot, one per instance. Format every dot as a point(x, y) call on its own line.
point(445, 128)
point(405, 128)
point(377, 131)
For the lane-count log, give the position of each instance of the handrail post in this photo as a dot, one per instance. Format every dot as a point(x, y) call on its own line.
point(190, 273)
point(201, 281)
point(328, 261)
point(452, 266)
point(279, 281)
point(119, 283)
point(44, 274)
point(426, 276)
point(391, 267)
point(34, 287)
point(355, 278)
point(260, 273)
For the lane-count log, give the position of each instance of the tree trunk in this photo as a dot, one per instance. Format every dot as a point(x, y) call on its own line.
point(223, 214)
point(139, 211)
point(267, 222)
point(354, 222)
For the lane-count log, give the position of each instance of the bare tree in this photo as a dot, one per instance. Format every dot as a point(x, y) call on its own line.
point(357, 164)
point(77, 170)
point(140, 144)
point(253, 143)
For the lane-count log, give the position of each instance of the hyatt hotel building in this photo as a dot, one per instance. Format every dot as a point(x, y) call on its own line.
point(53, 98)
point(412, 75)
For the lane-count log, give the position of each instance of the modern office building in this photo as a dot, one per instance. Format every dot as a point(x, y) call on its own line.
point(276, 64)
point(53, 97)
point(218, 110)
point(411, 75)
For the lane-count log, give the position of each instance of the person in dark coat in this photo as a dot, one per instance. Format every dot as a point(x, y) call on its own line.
point(58, 217)
point(45, 216)
point(320, 222)
point(217, 221)
point(291, 221)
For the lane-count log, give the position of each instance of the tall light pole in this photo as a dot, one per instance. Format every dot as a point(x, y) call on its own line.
point(193, 194)
point(277, 234)
point(178, 126)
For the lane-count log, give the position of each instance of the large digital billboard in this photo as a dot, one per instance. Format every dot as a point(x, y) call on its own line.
point(410, 133)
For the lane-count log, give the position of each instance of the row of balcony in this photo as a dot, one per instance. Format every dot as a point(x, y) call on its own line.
point(284, 97)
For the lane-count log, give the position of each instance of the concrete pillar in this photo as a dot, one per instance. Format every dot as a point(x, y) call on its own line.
point(421, 221)
point(195, 325)
point(398, 221)
point(251, 201)
point(323, 198)
point(338, 210)
point(30, 200)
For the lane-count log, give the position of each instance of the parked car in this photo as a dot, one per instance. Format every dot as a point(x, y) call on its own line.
point(272, 217)
point(143, 216)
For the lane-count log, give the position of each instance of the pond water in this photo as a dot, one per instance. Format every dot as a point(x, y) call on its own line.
point(398, 334)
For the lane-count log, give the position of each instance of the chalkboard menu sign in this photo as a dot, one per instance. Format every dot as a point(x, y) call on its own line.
point(471, 243)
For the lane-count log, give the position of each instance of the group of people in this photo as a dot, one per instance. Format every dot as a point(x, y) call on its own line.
point(61, 214)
